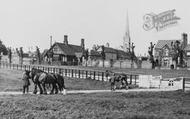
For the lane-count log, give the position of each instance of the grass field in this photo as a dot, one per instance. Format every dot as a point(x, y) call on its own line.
point(112, 105)
point(157, 105)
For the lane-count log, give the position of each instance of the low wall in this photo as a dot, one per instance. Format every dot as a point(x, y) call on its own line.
point(146, 65)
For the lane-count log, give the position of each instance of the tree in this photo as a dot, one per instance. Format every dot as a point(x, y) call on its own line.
point(38, 55)
point(103, 54)
point(3, 48)
point(9, 55)
point(178, 53)
point(85, 55)
point(20, 54)
point(150, 52)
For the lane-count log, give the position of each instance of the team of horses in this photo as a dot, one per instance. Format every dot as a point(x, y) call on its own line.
point(120, 78)
point(42, 80)
point(55, 81)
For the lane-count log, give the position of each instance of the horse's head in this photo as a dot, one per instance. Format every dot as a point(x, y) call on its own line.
point(32, 73)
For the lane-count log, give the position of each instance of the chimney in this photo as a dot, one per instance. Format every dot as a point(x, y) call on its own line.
point(82, 43)
point(184, 39)
point(65, 40)
point(107, 45)
point(50, 41)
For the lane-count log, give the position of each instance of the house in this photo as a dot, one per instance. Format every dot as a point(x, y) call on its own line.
point(163, 51)
point(65, 53)
point(101, 56)
point(110, 54)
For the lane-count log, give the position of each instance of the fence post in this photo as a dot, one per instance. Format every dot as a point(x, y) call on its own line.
point(102, 76)
point(135, 80)
point(54, 70)
point(130, 79)
point(94, 75)
point(183, 80)
point(79, 74)
point(71, 72)
point(86, 74)
point(48, 69)
point(65, 72)
point(98, 76)
point(60, 71)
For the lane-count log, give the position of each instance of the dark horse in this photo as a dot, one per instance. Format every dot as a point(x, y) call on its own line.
point(41, 78)
point(60, 81)
point(122, 78)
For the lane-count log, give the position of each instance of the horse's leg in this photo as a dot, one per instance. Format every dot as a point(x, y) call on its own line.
point(56, 89)
point(126, 83)
point(52, 90)
point(44, 88)
point(41, 91)
point(35, 89)
point(23, 90)
point(27, 89)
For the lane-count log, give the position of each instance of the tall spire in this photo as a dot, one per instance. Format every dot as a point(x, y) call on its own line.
point(127, 39)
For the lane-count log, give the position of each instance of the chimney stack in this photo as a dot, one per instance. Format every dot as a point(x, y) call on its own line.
point(65, 39)
point(184, 39)
point(50, 41)
point(82, 43)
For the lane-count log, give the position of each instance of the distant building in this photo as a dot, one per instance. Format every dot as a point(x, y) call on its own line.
point(65, 53)
point(163, 51)
point(110, 54)
point(16, 59)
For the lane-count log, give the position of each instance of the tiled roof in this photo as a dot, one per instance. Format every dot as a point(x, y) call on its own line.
point(110, 50)
point(120, 53)
point(95, 53)
point(161, 43)
point(69, 49)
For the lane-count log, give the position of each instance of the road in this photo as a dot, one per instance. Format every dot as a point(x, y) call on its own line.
point(95, 91)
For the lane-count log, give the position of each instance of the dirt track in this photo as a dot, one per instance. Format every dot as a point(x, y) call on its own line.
point(94, 91)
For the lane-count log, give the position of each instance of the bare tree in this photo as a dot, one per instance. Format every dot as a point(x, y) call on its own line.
point(150, 52)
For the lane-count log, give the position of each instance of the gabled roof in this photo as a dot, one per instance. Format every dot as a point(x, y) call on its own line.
point(161, 43)
point(69, 49)
point(44, 52)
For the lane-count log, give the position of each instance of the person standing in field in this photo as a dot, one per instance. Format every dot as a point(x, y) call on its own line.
point(26, 82)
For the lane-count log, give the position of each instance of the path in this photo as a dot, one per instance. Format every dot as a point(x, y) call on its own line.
point(96, 91)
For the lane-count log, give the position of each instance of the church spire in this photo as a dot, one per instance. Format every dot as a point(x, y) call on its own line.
point(127, 39)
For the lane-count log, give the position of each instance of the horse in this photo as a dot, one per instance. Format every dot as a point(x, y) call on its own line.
point(41, 78)
point(122, 78)
point(60, 81)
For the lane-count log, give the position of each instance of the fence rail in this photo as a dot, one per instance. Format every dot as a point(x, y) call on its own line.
point(70, 72)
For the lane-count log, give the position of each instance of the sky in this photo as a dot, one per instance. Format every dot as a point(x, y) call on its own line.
point(30, 23)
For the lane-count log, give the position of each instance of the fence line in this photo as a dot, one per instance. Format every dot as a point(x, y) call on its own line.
point(70, 72)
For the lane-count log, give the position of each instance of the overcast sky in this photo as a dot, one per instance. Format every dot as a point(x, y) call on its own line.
point(29, 23)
